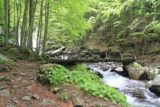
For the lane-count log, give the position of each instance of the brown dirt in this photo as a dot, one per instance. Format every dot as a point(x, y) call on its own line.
point(21, 82)
point(25, 91)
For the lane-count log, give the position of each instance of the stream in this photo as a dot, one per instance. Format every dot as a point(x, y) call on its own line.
point(135, 91)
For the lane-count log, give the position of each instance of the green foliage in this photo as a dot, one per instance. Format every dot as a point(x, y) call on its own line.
point(125, 20)
point(84, 79)
point(64, 96)
point(1, 11)
point(67, 23)
point(3, 59)
point(1, 39)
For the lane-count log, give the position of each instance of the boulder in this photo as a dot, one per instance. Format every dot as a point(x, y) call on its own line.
point(155, 89)
point(152, 72)
point(137, 72)
point(154, 85)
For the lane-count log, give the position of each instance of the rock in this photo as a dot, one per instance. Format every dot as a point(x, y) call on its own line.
point(19, 79)
point(5, 93)
point(46, 66)
point(139, 94)
point(155, 89)
point(99, 74)
point(154, 85)
point(11, 105)
point(22, 74)
point(26, 98)
point(47, 102)
point(135, 93)
point(78, 106)
point(55, 90)
point(77, 102)
point(137, 72)
point(35, 96)
point(155, 81)
point(152, 73)
point(134, 72)
point(3, 87)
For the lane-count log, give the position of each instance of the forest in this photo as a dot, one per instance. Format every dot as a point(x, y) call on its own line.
point(79, 53)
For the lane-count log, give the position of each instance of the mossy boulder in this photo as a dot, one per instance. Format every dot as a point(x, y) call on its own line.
point(135, 71)
point(138, 72)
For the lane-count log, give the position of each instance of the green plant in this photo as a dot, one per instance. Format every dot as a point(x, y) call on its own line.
point(86, 80)
point(3, 59)
point(64, 97)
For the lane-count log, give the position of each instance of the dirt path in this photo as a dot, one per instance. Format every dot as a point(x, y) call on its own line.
point(19, 88)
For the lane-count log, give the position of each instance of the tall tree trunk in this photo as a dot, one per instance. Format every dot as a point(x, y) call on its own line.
point(6, 11)
point(46, 25)
point(9, 15)
point(18, 22)
point(14, 26)
point(24, 24)
point(39, 34)
point(31, 22)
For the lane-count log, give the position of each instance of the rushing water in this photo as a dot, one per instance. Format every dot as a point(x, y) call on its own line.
point(135, 91)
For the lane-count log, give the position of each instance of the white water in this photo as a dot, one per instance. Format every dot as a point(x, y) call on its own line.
point(129, 87)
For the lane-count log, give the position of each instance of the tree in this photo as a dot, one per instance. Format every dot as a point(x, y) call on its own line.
point(46, 25)
point(32, 9)
point(24, 24)
point(39, 34)
point(6, 24)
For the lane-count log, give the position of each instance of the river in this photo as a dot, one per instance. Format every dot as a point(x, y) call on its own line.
point(135, 91)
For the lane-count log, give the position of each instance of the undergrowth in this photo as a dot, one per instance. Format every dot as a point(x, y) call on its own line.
point(3, 59)
point(85, 80)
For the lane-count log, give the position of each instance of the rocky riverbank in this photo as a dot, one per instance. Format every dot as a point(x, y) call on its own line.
point(139, 93)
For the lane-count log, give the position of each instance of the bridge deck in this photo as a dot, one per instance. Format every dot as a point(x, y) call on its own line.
point(52, 60)
point(90, 57)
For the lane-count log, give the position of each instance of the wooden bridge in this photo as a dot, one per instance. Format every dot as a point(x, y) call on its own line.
point(94, 57)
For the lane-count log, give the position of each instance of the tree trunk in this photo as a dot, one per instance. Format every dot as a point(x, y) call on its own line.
point(24, 24)
point(18, 22)
point(39, 34)
point(46, 26)
point(31, 22)
point(6, 11)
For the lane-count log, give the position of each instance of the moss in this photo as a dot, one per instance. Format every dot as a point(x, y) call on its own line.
point(136, 65)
